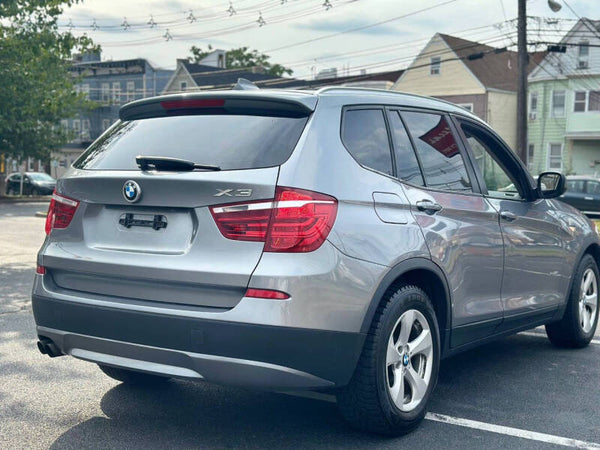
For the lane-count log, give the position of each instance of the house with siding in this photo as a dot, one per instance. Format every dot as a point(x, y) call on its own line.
point(478, 77)
point(564, 105)
point(109, 84)
point(203, 77)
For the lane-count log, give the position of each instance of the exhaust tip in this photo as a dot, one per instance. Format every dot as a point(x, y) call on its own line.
point(47, 347)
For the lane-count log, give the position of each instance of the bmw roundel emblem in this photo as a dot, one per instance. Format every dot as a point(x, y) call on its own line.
point(132, 191)
point(405, 360)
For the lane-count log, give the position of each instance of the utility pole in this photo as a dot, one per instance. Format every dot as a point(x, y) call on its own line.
point(522, 82)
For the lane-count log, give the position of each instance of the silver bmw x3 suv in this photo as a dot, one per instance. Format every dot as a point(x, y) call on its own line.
point(341, 240)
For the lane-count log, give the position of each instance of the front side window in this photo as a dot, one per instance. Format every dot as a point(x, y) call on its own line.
point(443, 165)
point(365, 136)
point(435, 65)
point(558, 103)
point(407, 167)
point(488, 155)
point(580, 101)
point(555, 157)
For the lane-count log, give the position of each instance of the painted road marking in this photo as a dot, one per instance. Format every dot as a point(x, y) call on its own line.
point(542, 334)
point(509, 431)
point(490, 427)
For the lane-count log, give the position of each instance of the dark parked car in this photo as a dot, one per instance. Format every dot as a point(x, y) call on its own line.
point(34, 183)
point(583, 193)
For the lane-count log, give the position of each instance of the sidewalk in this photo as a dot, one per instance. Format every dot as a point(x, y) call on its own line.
point(24, 199)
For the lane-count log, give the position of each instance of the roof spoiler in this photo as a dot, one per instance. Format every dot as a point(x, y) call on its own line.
point(228, 102)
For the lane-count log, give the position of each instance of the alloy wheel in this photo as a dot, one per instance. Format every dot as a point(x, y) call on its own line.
point(409, 360)
point(588, 300)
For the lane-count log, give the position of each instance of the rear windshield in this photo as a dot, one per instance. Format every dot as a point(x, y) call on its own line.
point(228, 141)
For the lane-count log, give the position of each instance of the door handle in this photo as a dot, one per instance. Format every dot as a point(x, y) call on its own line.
point(507, 215)
point(428, 206)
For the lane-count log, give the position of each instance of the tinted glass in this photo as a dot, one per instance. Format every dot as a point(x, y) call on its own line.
point(575, 185)
point(498, 181)
point(407, 167)
point(442, 163)
point(40, 177)
point(228, 141)
point(593, 187)
point(365, 136)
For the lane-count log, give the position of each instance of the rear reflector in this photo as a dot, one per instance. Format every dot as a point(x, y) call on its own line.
point(60, 212)
point(296, 221)
point(41, 270)
point(266, 293)
point(193, 103)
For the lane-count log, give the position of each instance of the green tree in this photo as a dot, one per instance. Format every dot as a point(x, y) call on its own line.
point(36, 89)
point(243, 58)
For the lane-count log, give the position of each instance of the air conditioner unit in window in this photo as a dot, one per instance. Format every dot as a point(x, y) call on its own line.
point(532, 115)
point(583, 65)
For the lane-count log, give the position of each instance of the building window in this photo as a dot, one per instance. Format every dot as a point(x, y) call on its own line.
point(221, 61)
point(77, 128)
point(105, 92)
point(594, 101)
point(182, 85)
point(64, 124)
point(533, 105)
point(130, 90)
point(583, 53)
point(434, 68)
point(105, 124)
point(558, 103)
point(85, 89)
point(580, 101)
point(85, 128)
point(555, 156)
point(116, 91)
point(467, 106)
point(530, 153)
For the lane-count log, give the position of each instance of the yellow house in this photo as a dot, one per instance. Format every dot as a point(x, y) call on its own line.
point(478, 77)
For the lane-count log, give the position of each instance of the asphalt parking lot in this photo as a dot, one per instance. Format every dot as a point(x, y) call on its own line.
point(519, 392)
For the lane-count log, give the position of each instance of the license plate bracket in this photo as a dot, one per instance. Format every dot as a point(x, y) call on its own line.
point(156, 222)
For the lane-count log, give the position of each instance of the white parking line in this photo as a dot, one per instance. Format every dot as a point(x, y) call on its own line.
point(542, 334)
point(492, 428)
point(509, 431)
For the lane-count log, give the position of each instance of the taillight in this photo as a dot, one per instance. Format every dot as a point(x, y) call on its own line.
point(296, 221)
point(60, 212)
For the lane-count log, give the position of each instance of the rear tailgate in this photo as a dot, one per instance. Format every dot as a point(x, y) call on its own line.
point(166, 246)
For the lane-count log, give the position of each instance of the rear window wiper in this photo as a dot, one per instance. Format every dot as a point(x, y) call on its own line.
point(165, 163)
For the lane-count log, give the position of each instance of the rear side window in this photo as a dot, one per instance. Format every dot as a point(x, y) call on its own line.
point(228, 141)
point(407, 167)
point(365, 136)
point(443, 165)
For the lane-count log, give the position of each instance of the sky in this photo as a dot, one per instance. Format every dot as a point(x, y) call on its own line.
point(311, 35)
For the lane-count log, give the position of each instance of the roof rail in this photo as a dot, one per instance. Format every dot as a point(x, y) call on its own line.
point(244, 85)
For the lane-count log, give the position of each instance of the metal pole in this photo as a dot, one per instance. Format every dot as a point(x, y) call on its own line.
point(522, 82)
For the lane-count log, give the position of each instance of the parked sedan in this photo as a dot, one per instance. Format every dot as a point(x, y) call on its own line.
point(583, 193)
point(34, 183)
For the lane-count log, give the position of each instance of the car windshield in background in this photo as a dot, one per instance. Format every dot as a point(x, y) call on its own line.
point(40, 177)
point(228, 141)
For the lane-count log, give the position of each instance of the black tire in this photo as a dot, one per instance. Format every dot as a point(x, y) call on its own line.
point(365, 402)
point(35, 192)
point(568, 332)
point(132, 377)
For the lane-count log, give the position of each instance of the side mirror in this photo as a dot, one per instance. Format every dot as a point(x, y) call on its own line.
point(551, 185)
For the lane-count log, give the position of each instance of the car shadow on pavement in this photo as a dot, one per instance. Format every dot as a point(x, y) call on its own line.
point(186, 414)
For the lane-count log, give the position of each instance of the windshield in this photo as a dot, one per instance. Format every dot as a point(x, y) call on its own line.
point(228, 141)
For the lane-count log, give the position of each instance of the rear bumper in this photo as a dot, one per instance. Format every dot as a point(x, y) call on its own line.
point(273, 357)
